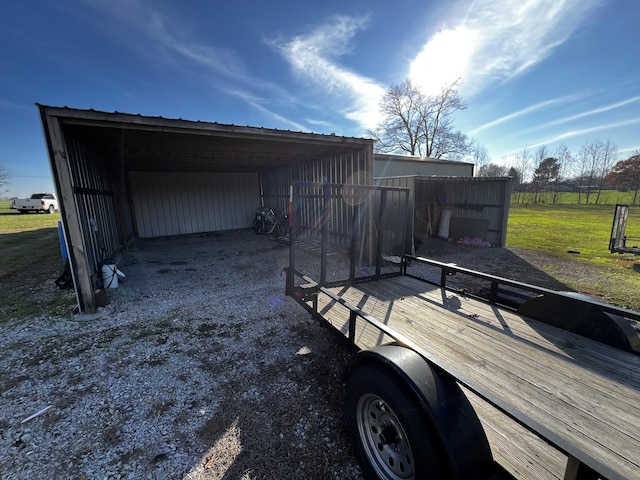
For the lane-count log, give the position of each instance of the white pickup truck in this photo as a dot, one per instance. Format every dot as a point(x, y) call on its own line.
point(38, 202)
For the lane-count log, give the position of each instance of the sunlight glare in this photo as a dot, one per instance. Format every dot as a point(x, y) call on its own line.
point(444, 58)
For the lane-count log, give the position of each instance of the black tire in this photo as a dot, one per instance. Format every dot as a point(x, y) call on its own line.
point(51, 209)
point(283, 228)
point(258, 226)
point(393, 438)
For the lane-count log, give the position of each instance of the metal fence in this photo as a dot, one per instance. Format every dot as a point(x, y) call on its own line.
point(346, 233)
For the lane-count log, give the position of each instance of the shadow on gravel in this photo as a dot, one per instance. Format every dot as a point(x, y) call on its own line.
point(497, 261)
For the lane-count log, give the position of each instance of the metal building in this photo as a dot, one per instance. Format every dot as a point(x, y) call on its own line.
point(389, 165)
point(478, 207)
point(122, 176)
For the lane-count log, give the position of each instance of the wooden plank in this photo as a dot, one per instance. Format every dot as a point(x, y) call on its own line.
point(580, 405)
point(538, 359)
point(533, 371)
point(519, 451)
point(601, 359)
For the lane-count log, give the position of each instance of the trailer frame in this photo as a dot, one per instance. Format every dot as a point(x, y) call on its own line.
point(361, 245)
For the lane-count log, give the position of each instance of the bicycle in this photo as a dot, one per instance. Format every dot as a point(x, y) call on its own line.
point(270, 221)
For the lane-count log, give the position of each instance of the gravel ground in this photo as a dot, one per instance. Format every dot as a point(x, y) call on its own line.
point(199, 368)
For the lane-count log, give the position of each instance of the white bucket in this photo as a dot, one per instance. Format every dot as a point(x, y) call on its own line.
point(443, 229)
point(110, 276)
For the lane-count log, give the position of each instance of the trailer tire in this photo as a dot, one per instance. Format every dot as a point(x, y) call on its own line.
point(392, 436)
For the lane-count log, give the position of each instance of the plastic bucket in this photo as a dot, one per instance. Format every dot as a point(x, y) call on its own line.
point(110, 276)
point(443, 229)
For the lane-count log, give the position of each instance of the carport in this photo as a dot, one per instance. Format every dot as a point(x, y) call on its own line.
point(123, 176)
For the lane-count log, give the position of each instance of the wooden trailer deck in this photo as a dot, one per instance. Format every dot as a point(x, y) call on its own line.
point(580, 395)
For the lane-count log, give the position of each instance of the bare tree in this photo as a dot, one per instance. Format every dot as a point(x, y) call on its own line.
point(565, 160)
point(400, 128)
point(516, 181)
point(522, 164)
point(541, 153)
point(589, 158)
point(420, 124)
point(479, 155)
point(608, 158)
point(492, 170)
point(4, 176)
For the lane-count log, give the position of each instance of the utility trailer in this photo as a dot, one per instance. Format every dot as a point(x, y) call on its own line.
point(450, 382)
point(619, 238)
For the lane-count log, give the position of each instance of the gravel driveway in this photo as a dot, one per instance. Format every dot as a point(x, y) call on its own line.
point(199, 368)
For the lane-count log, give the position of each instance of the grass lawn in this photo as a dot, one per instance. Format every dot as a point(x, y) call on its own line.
point(30, 262)
point(555, 230)
point(607, 197)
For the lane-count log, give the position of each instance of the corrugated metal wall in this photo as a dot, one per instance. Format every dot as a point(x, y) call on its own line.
point(396, 166)
point(349, 168)
point(94, 204)
point(479, 206)
point(180, 203)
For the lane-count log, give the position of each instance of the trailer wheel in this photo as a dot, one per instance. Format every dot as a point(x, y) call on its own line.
point(392, 436)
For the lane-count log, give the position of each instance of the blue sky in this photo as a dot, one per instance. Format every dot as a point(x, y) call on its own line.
point(533, 72)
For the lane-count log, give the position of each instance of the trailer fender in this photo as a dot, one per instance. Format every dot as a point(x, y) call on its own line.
point(582, 318)
point(442, 431)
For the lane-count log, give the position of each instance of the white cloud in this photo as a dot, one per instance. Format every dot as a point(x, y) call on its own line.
point(258, 103)
point(588, 113)
point(495, 41)
point(528, 110)
point(313, 56)
point(170, 37)
point(574, 133)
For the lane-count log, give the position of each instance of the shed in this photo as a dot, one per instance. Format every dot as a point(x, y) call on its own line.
point(478, 207)
point(124, 176)
point(389, 165)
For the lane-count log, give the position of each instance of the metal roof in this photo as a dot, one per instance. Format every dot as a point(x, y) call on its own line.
point(145, 143)
point(411, 158)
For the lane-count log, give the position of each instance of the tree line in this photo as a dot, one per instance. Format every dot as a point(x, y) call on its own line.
point(415, 123)
point(540, 176)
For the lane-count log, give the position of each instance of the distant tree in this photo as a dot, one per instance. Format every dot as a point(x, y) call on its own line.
point(565, 162)
point(544, 176)
point(516, 182)
point(589, 158)
point(4, 176)
point(479, 155)
point(609, 155)
point(492, 170)
point(626, 174)
point(419, 124)
point(522, 164)
point(540, 154)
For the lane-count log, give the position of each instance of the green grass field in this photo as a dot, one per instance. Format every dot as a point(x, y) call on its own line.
point(30, 262)
point(607, 197)
point(30, 258)
point(556, 230)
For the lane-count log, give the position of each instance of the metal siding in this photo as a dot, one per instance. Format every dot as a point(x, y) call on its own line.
point(180, 203)
point(473, 198)
point(93, 198)
point(340, 169)
point(401, 167)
